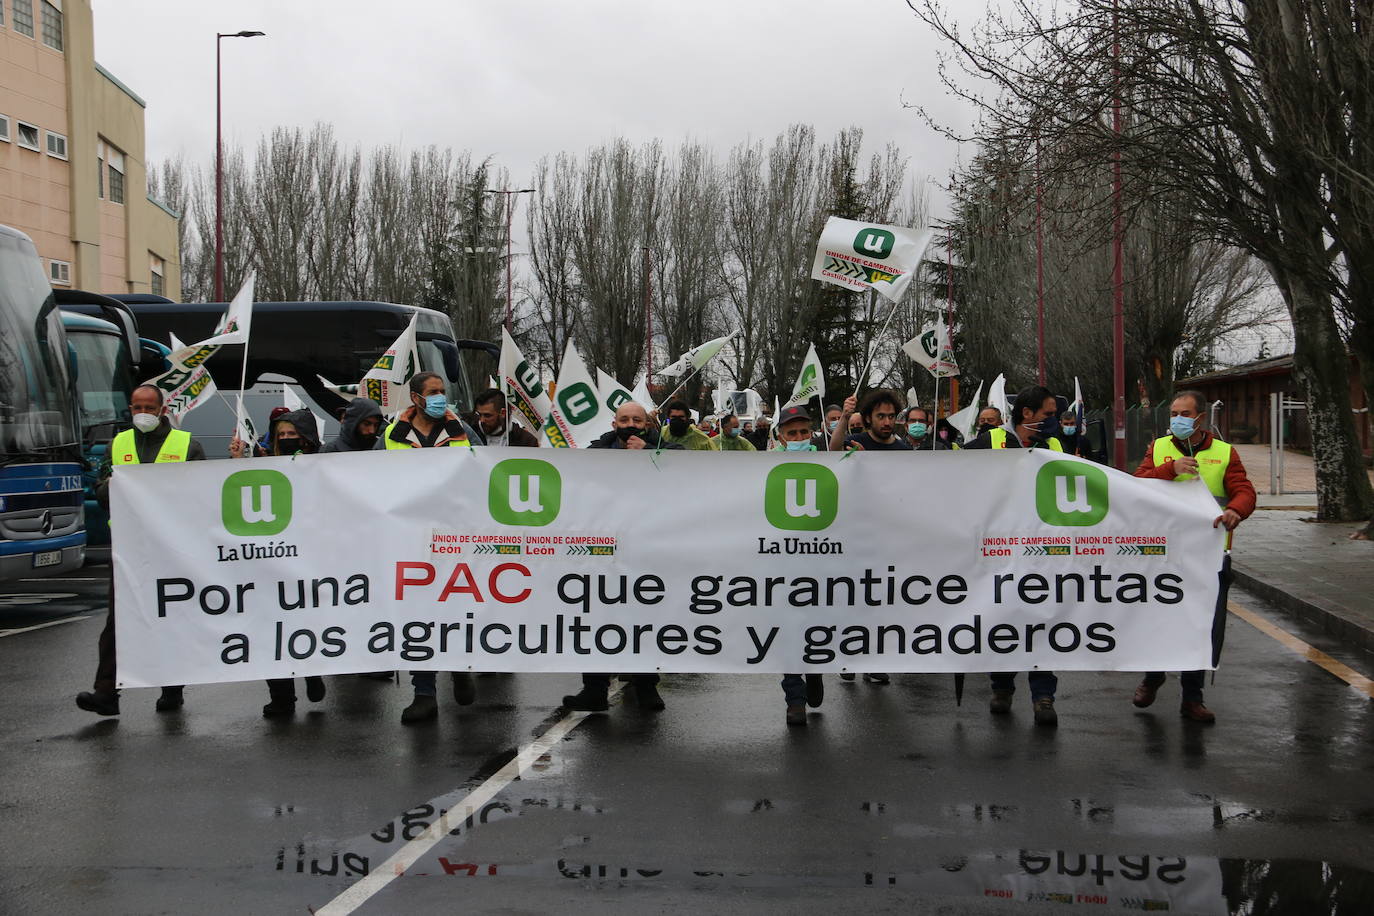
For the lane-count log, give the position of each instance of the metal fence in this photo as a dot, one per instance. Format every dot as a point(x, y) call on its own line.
point(1143, 426)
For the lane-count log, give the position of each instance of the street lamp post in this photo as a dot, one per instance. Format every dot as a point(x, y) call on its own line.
point(510, 211)
point(219, 165)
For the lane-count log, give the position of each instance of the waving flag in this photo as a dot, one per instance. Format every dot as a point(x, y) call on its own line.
point(810, 381)
point(523, 385)
point(861, 256)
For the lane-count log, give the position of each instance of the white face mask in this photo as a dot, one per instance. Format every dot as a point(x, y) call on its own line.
point(146, 422)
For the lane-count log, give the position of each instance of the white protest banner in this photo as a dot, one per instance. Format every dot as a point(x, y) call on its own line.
point(576, 416)
point(468, 559)
point(613, 394)
point(862, 256)
point(187, 384)
point(523, 385)
point(810, 381)
point(386, 381)
point(931, 349)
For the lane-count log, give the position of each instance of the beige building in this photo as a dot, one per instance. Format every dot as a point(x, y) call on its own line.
point(72, 172)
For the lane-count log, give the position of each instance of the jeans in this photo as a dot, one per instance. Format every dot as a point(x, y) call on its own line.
point(1042, 683)
point(794, 688)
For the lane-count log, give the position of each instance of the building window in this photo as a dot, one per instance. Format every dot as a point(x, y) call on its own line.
point(28, 135)
point(60, 273)
point(112, 160)
point(23, 17)
point(52, 25)
point(57, 145)
point(155, 268)
point(4, 125)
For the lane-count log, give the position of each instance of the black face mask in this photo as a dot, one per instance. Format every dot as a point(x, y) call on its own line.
point(677, 426)
point(366, 442)
point(624, 433)
point(984, 427)
point(288, 446)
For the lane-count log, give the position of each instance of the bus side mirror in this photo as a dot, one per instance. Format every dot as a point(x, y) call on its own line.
point(152, 359)
point(452, 367)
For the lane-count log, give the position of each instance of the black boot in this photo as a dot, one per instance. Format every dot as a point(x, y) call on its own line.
point(589, 699)
point(99, 702)
point(464, 687)
point(314, 689)
point(171, 700)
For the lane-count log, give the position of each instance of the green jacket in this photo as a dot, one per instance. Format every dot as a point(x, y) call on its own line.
point(734, 444)
point(693, 440)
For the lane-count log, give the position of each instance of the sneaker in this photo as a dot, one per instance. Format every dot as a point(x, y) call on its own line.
point(847, 676)
point(587, 700)
point(647, 695)
point(1000, 704)
point(314, 689)
point(1044, 712)
point(421, 709)
point(1145, 693)
point(796, 714)
point(1194, 710)
point(99, 702)
point(279, 709)
point(171, 700)
point(876, 677)
point(464, 688)
point(815, 690)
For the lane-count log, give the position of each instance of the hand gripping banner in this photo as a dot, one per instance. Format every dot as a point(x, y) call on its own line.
point(582, 560)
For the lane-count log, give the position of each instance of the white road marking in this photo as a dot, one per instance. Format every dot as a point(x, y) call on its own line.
point(359, 893)
point(40, 626)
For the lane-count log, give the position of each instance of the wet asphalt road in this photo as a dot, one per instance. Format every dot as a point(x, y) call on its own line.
point(893, 799)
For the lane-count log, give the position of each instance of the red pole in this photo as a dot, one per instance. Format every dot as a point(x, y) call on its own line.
point(219, 181)
point(1118, 278)
point(1039, 266)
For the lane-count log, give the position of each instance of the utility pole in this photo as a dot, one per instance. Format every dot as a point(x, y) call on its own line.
point(219, 163)
point(648, 323)
point(1039, 266)
point(510, 212)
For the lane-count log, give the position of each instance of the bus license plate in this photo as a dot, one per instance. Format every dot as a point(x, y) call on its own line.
point(47, 558)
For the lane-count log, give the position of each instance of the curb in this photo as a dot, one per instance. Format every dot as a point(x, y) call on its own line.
point(1333, 620)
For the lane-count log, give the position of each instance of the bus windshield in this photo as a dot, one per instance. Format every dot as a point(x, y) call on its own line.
point(104, 383)
point(35, 388)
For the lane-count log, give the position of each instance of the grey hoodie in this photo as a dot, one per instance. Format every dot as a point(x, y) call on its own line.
point(358, 410)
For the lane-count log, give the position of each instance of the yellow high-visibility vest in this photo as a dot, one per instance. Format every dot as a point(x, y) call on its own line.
point(998, 438)
point(1211, 462)
point(174, 448)
point(392, 443)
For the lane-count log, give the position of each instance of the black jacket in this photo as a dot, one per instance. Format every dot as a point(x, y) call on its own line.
point(612, 440)
point(519, 436)
point(358, 410)
point(305, 424)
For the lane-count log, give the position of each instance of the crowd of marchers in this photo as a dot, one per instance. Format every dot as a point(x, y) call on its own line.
point(879, 421)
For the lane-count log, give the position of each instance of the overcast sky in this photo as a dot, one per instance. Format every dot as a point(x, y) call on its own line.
point(518, 79)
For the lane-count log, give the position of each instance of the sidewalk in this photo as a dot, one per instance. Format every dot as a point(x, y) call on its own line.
point(1312, 570)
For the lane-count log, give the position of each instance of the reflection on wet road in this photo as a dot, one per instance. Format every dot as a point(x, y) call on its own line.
point(892, 799)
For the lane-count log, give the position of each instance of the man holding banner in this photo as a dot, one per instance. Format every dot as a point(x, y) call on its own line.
point(152, 440)
point(428, 423)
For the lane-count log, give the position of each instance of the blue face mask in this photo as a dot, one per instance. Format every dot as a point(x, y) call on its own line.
point(917, 430)
point(733, 432)
point(801, 446)
point(1182, 427)
point(1070, 430)
point(435, 406)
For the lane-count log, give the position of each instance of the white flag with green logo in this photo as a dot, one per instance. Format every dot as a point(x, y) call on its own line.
point(697, 357)
point(187, 384)
point(810, 382)
point(576, 414)
point(613, 394)
point(386, 381)
point(234, 327)
point(965, 420)
point(931, 348)
point(523, 385)
point(861, 256)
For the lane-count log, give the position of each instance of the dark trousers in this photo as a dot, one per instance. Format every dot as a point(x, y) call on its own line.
point(105, 663)
point(1191, 683)
point(602, 682)
point(105, 669)
point(1042, 683)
